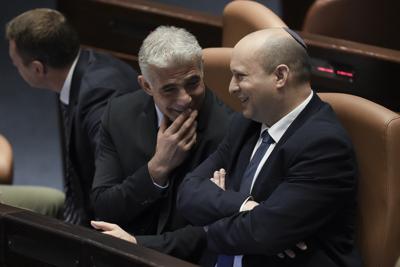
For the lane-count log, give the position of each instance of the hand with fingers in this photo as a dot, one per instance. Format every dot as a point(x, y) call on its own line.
point(113, 230)
point(219, 178)
point(290, 253)
point(173, 145)
point(249, 205)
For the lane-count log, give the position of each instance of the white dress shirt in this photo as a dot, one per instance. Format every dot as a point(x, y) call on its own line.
point(66, 88)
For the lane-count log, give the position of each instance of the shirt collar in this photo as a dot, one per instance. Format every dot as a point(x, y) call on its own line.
point(160, 116)
point(66, 88)
point(277, 130)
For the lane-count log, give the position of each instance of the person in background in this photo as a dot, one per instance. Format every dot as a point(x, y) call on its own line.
point(46, 51)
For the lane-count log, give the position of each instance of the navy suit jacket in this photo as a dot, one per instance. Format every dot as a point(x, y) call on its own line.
point(306, 191)
point(96, 78)
point(123, 191)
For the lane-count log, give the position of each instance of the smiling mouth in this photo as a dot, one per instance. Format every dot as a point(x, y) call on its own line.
point(179, 111)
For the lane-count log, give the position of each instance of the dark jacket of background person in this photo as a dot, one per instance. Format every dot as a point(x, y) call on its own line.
point(97, 77)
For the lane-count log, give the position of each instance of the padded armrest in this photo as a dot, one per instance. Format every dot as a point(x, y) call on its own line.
point(6, 161)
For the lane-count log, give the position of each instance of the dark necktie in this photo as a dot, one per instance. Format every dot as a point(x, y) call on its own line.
point(227, 260)
point(71, 212)
point(250, 171)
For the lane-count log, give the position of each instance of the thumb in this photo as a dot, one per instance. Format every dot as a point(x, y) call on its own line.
point(102, 225)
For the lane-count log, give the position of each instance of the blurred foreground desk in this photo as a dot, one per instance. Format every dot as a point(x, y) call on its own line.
point(29, 239)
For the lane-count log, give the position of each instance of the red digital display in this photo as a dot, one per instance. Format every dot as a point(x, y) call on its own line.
point(337, 72)
point(332, 70)
point(344, 73)
point(325, 69)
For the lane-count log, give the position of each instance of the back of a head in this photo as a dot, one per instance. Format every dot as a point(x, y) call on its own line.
point(281, 46)
point(169, 46)
point(44, 35)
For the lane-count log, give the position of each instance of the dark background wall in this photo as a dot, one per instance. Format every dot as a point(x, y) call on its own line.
point(27, 116)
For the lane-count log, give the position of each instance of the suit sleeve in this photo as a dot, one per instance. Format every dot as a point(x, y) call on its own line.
point(319, 183)
point(186, 243)
point(199, 199)
point(94, 103)
point(113, 192)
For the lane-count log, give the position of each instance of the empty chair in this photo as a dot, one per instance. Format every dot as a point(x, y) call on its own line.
point(243, 17)
point(370, 22)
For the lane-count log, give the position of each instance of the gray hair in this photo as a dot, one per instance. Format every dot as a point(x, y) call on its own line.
point(168, 46)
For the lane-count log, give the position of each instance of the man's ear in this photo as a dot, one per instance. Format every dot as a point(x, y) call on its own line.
point(145, 85)
point(39, 68)
point(281, 74)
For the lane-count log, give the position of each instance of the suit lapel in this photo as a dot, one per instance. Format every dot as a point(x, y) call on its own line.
point(74, 92)
point(147, 128)
point(243, 148)
point(312, 107)
point(263, 186)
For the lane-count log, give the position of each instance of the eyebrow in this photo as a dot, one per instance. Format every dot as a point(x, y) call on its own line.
point(168, 86)
point(190, 78)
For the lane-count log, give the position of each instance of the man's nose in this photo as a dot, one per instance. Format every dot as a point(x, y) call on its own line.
point(184, 98)
point(233, 86)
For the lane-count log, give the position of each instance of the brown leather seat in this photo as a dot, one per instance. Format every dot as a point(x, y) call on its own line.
point(370, 22)
point(375, 132)
point(243, 17)
point(217, 74)
point(6, 161)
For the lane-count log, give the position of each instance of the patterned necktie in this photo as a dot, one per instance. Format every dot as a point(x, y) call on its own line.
point(250, 171)
point(71, 212)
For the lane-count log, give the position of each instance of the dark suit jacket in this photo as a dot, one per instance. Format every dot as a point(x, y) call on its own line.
point(123, 191)
point(306, 192)
point(96, 78)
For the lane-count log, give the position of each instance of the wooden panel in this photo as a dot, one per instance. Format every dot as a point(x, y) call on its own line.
point(374, 69)
point(29, 239)
point(121, 25)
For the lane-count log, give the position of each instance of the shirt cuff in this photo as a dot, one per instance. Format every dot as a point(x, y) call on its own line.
point(244, 202)
point(160, 186)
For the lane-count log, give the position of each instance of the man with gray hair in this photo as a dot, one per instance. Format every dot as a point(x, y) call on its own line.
point(150, 140)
